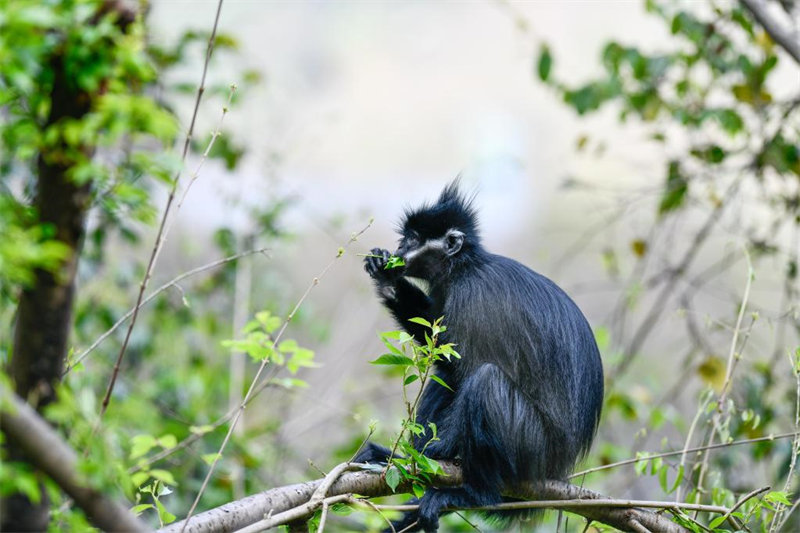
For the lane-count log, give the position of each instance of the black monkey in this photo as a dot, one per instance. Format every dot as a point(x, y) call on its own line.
point(528, 388)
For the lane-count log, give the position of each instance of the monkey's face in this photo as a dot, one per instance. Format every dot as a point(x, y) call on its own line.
point(427, 257)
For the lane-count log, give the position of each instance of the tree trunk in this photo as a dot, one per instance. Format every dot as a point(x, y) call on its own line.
point(44, 314)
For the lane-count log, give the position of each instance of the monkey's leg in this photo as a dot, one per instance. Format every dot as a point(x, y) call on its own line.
point(373, 453)
point(498, 436)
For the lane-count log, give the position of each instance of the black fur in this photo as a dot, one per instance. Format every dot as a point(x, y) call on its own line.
point(529, 384)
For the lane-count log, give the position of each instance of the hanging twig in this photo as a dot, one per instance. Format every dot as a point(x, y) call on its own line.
point(253, 389)
point(161, 235)
point(783, 37)
point(171, 283)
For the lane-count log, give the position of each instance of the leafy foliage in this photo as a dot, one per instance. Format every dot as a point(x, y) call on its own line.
point(416, 363)
point(120, 144)
point(715, 81)
point(711, 100)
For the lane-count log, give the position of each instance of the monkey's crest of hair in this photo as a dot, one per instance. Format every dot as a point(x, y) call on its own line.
point(452, 210)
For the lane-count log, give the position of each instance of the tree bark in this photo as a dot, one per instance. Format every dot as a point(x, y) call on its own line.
point(245, 512)
point(48, 452)
point(44, 313)
point(781, 35)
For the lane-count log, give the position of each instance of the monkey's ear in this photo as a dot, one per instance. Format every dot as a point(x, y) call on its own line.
point(453, 242)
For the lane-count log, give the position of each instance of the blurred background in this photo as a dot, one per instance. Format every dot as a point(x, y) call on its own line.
point(643, 155)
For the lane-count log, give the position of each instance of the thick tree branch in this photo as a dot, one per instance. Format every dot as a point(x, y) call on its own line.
point(45, 449)
point(243, 513)
point(782, 36)
point(44, 313)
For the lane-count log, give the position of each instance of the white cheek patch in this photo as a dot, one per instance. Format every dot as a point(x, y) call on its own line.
point(430, 245)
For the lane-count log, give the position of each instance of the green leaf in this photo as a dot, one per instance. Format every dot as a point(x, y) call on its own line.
point(438, 380)
point(678, 480)
point(341, 509)
point(393, 359)
point(164, 476)
point(394, 262)
point(141, 444)
point(591, 96)
point(545, 63)
point(28, 485)
point(712, 154)
point(302, 357)
point(289, 345)
point(662, 477)
point(410, 379)
point(420, 321)
point(165, 516)
point(139, 478)
point(393, 478)
point(602, 337)
point(777, 496)
point(209, 458)
point(391, 347)
point(716, 522)
point(418, 490)
point(139, 509)
point(729, 120)
point(641, 465)
point(676, 189)
point(168, 441)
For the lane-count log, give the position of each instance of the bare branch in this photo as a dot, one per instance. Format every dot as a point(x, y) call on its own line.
point(163, 226)
point(255, 388)
point(782, 36)
point(793, 434)
point(173, 282)
point(266, 507)
point(48, 452)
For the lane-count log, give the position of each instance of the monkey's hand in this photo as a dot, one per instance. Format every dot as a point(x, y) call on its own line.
point(385, 278)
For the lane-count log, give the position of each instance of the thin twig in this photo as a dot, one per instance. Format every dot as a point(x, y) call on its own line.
point(465, 519)
point(253, 384)
point(679, 452)
point(643, 331)
point(171, 283)
point(732, 355)
point(363, 442)
point(292, 514)
point(688, 441)
point(577, 503)
point(788, 514)
point(333, 475)
point(322, 517)
point(733, 359)
point(750, 495)
point(214, 134)
point(372, 506)
point(637, 527)
point(161, 235)
point(795, 444)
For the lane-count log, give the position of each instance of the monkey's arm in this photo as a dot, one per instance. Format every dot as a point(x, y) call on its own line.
point(401, 297)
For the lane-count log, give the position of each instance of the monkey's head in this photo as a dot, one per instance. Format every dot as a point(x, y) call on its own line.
point(436, 237)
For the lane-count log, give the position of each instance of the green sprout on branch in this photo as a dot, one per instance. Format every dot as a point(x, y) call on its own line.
point(393, 261)
point(407, 463)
